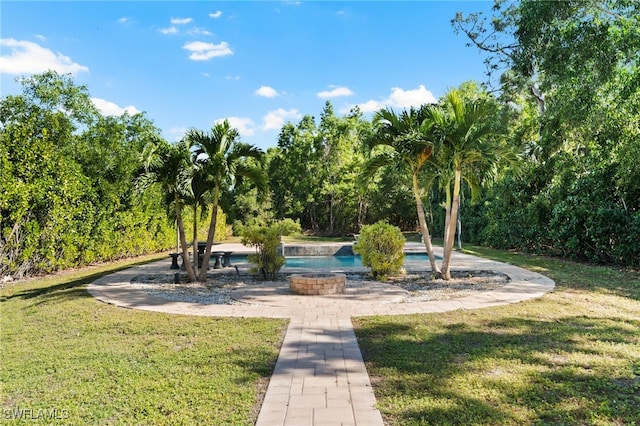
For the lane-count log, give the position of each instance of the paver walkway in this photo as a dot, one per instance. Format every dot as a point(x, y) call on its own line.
point(320, 377)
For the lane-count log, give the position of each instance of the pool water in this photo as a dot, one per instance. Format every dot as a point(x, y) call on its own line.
point(335, 262)
point(323, 262)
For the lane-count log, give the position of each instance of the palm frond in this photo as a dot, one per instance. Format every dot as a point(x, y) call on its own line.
point(375, 163)
point(254, 174)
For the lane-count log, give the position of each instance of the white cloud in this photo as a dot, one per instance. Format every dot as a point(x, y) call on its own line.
point(123, 20)
point(175, 133)
point(199, 31)
point(215, 15)
point(201, 51)
point(40, 37)
point(335, 92)
point(399, 98)
point(206, 74)
point(180, 21)
point(369, 106)
point(408, 98)
point(109, 108)
point(26, 57)
point(169, 30)
point(276, 119)
point(267, 92)
point(243, 124)
point(232, 77)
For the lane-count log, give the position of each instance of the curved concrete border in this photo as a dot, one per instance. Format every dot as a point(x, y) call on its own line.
point(320, 377)
point(524, 285)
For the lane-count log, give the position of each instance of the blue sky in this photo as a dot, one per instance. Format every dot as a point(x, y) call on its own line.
point(257, 63)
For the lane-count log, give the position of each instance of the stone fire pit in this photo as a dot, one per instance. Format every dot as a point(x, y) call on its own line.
point(317, 284)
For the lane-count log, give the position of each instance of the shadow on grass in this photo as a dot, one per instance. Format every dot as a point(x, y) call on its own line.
point(70, 288)
point(522, 370)
point(569, 274)
point(255, 361)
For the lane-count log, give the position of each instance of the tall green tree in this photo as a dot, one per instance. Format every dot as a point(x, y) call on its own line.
point(294, 170)
point(200, 186)
point(171, 168)
point(578, 62)
point(66, 197)
point(246, 206)
point(411, 144)
point(389, 196)
point(466, 152)
point(220, 155)
point(341, 156)
point(109, 153)
point(314, 172)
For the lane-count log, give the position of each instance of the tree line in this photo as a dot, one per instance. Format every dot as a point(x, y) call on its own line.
point(572, 70)
point(555, 148)
point(66, 181)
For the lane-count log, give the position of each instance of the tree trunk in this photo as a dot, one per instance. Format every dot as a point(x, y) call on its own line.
point(195, 239)
point(183, 243)
point(362, 211)
point(447, 212)
point(212, 230)
point(450, 226)
point(459, 232)
point(447, 218)
point(424, 229)
point(331, 218)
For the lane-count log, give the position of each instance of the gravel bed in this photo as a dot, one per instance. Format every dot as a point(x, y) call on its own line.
point(423, 287)
point(420, 287)
point(212, 293)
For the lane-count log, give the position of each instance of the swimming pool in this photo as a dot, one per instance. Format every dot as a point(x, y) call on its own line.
point(336, 262)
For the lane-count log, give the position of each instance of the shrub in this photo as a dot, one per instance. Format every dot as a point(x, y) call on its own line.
point(380, 246)
point(266, 239)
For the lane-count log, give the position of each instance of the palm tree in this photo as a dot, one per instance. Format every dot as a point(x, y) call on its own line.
point(170, 167)
point(198, 201)
point(221, 156)
point(467, 152)
point(409, 136)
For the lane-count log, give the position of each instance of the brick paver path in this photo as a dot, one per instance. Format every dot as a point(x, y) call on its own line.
point(320, 377)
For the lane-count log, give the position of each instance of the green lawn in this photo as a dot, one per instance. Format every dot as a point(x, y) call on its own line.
point(69, 359)
point(569, 358)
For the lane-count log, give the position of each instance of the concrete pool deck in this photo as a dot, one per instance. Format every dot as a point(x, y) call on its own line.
point(320, 377)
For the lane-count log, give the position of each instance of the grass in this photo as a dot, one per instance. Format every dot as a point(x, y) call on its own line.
point(70, 359)
point(571, 357)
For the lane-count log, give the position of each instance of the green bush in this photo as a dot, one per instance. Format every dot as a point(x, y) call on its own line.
point(380, 246)
point(266, 239)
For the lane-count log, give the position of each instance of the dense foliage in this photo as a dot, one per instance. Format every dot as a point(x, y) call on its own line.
point(567, 102)
point(314, 172)
point(67, 196)
point(572, 72)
